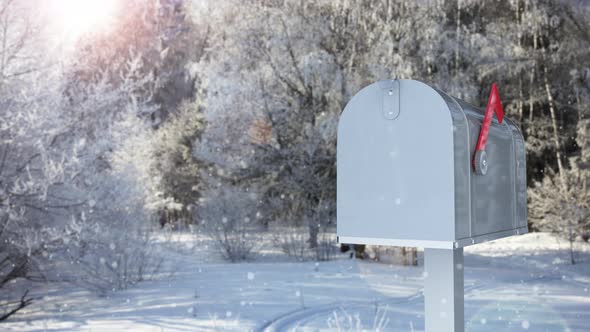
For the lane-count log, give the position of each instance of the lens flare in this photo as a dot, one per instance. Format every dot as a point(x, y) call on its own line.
point(79, 17)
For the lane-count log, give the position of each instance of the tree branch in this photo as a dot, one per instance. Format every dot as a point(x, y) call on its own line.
point(23, 303)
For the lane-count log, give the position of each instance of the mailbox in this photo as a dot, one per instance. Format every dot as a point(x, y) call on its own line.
point(406, 175)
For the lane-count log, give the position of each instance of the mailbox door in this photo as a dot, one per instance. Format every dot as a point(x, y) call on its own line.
point(395, 178)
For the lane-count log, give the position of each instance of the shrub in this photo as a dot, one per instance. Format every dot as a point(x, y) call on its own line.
point(227, 216)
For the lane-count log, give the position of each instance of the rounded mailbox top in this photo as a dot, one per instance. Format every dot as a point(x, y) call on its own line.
point(395, 172)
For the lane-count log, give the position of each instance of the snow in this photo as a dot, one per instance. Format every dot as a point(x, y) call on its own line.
point(515, 284)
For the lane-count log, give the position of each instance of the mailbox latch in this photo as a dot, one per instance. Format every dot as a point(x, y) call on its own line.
point(390, 106)
point(480, 160)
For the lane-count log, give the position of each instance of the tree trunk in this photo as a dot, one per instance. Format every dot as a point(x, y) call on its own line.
point(531, 94)
point(313, 228)
point(520, 100)
point(458, 37)
point(571, 239)
point(520, 92)
point(553, 113)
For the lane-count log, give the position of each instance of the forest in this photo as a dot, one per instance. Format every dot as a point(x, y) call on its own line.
point(219, 118)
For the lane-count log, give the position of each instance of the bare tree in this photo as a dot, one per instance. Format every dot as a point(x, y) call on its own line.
point(228, 216)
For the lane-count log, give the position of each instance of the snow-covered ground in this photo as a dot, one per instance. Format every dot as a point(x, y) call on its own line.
point(516, 284)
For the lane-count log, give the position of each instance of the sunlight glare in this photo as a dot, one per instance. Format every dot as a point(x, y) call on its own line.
point(78, 17)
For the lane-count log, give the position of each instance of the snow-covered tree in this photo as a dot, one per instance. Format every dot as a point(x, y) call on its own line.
point(160, 33)
point(560, 203)
point(32, 167)
point(175, 170)
point(64, 198)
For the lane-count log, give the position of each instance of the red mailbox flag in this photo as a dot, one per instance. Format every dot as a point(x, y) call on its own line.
point(494, 106)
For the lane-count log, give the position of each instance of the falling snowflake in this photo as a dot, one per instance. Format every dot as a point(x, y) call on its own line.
point(525, 324)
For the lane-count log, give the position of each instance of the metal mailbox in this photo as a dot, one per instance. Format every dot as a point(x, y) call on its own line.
point(405, 170)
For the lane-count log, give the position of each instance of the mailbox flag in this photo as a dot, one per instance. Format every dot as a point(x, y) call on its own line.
point(495, 103)
point(494, 106)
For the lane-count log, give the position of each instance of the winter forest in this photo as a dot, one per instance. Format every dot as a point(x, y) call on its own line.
point(170, 165)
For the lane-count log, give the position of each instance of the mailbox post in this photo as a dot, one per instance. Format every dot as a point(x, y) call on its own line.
point(443, 290)
point(417, 167)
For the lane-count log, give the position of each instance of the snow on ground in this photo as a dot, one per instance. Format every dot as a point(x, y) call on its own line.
point(515, 284)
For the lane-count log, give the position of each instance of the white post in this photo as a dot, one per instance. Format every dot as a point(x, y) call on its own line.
point(443, 290)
